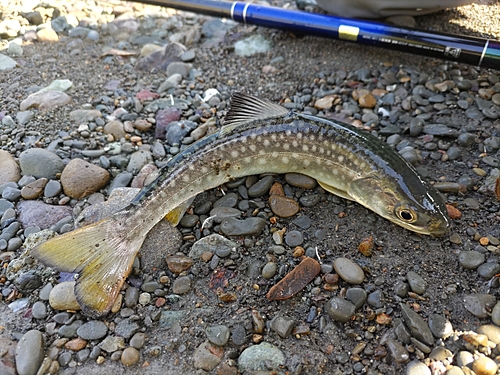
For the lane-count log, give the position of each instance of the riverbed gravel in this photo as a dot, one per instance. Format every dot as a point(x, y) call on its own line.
point(96, 96)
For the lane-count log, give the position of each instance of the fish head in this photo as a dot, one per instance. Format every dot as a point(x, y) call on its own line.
point(417, 207)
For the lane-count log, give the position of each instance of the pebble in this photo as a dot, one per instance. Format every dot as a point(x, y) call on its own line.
point(9, 170)
point(39, 163)
point(294, 238)
point(62, 297)
point(261, 187)
point(282, 325)
point(300, 181)
point(479, 304)
point(495, 314)
point(440, 326)
point(207, 356)
point(39, 310)
point(397, 351)
point(417, 325)
point(340, 309)
point(92, 330)
point(178, 264)
point(112, 343)
point(357, 296)
point(269, 270)
point(262, 357)
point(211, 244)
point(130, 356)
point(181, 285)
point(349, 271)
point(218, 334)
point(252, 226)
point(416, 282)
point(283, 206)
point(417, 368)
point(488, 270)
point(29, 353)
point(36, 213)
point(44, 101)
point(471, 259)
point(138, 340)
point(484, 366)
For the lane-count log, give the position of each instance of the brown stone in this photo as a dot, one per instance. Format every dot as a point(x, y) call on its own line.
point(76, 344)
point(142, 125)
point(277, 189)
point(179, 263)
point(283, 206)
point(34, 189)
point(367, 101)
point(295, 280)
point(300, 180)
point(9, 170)
point(80, 178)
point(116, 129)
point(130, 356)
point(47, 35)
point(325, 102)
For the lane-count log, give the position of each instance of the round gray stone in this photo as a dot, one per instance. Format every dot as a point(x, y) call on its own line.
point(39, 162)
point(93, 330)
point(416, 282)
point(340, 309)
point(218, 335)
point(349, 271)
point(29, 353)
point(471, 259)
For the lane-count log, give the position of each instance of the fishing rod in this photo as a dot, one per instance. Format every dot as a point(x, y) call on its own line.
point(460, 48)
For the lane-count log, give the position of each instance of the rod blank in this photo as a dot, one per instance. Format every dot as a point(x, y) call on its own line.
point(465, 49)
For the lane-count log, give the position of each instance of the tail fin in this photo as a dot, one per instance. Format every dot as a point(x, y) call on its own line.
point(101, 253)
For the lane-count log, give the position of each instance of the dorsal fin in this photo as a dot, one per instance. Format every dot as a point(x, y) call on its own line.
point(247, 108)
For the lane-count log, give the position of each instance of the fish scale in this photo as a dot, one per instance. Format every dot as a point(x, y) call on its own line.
point(257, 137)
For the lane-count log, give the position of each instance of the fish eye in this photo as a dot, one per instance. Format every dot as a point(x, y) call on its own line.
point(405, 213)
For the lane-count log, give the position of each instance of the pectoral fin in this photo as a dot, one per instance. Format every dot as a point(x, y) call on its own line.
point(334, 190)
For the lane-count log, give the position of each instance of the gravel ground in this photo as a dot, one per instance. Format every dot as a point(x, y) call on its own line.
point(386, 301)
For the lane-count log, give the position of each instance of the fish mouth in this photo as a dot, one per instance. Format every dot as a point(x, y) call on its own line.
point(438, 228)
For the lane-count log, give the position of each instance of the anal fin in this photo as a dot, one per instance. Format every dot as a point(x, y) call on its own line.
point(178, 212)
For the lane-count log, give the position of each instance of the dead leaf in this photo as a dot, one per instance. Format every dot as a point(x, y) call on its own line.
point(295, 280)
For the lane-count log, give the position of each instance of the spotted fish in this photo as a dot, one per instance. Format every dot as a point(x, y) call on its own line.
point(257, 137)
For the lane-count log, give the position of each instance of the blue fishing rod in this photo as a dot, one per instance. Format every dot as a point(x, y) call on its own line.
point(460, 48)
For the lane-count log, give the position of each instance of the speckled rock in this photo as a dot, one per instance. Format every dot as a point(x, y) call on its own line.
point(264, 356)
point(36, 213)
point(81, 178)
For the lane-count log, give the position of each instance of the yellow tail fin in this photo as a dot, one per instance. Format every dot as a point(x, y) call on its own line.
point(101, 253)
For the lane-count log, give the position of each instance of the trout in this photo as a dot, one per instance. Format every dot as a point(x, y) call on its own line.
point(257, 137)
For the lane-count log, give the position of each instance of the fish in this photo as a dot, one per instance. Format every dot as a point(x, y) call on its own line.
point(257, 136)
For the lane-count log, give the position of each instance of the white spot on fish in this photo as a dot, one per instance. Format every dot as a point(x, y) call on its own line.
point(321, 150)
point(191, 167)
point(243, 149)
point(305, 148)
point(266, 143)
point(306, 162)
point(286, 146)
point(288, 132)
point(235, 153)
point(340, 158)
point(335, 172)
point(185, 178)
point(253, 148)
point(299, 135)
point(285, 159)
point(204, 170)
point(262, 161)
point(295, 143)
point(273, 137)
